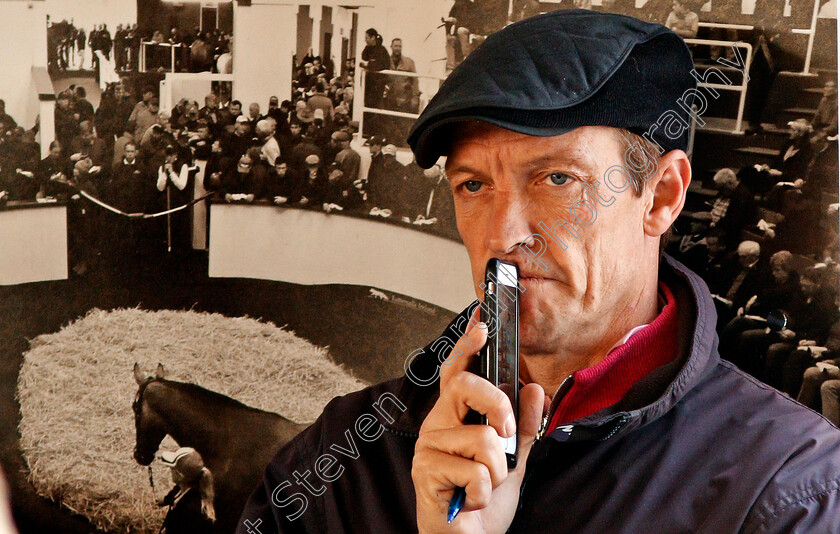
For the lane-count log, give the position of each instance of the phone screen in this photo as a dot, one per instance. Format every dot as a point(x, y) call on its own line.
point(508, 340)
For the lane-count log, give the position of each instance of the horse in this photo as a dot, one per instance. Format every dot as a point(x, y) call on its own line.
point(236, 441)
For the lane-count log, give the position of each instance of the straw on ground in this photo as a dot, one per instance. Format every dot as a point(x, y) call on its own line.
point(76, 389)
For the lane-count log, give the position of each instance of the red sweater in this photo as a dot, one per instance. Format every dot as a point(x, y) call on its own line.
point(604, 384)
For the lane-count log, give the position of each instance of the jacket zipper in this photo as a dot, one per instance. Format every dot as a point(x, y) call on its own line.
point(561, 392)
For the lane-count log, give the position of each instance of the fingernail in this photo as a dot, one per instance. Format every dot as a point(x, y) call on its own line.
point(510, 426)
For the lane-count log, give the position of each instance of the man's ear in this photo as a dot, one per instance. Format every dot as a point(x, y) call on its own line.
point(668, 189)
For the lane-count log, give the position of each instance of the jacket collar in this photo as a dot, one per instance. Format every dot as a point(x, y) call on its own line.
point(645, 402)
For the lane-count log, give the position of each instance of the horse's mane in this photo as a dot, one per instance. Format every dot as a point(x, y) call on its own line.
point(206, 396)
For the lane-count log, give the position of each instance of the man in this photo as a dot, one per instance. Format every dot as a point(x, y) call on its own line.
point(229, 114)
point(148, 93)
point(348, 159)
point(403, 92)
point(52, 170)
point(211, 113)
point(644, 427)
point(254, 115)
point(283, 182)
point(321, 101)
point(269, 148)
point(280, 115)
point(377, 177)
point(7, 123)
point(240, 140)
point(146, 118)
point(66, 126)
point(82, 105)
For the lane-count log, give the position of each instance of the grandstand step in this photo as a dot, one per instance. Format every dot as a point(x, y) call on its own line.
point(810, 97)
point(759, 151)
point(696, 188)
point(784, 86)
point(772, 129)
point(804, 113)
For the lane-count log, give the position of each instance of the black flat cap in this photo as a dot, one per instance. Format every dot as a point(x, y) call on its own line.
point(552, 73)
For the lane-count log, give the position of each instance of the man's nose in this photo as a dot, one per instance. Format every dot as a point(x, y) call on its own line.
point(508, 223)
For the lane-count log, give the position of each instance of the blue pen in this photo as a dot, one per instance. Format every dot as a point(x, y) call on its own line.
point(456, 503)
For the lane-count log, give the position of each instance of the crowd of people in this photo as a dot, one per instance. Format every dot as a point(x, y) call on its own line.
point(768, 248)
point(140, 160)
point(71, 48)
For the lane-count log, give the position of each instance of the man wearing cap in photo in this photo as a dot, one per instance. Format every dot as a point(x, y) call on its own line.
point(376, 176)
point(349, 160)
point(310, 190)
point(240, 140)
point(565, 143)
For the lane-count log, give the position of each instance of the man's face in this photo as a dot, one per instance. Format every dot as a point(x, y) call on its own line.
point(235, 109)
point(281, 169)
point(130, 153)
point(254, 110)
point(780, 274)
point(241, 128)
point(295, 129)
point(370, 40)
point(244, 166)
point(272, 104)
point(583, 293)
point(396, 47)
point(211, 101)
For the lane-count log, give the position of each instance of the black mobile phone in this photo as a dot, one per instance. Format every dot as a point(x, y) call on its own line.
point(499, 358)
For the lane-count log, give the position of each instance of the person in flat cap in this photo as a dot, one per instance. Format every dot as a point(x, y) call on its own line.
point(564, 136)
point(190, 501)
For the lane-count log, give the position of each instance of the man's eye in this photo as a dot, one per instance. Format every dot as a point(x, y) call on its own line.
point(472, 185)
point(558, 178)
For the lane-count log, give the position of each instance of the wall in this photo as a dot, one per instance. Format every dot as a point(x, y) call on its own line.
point(311, 247)
point(23, 44)
point(262, 57)
point(87, 13)
point(33, 244)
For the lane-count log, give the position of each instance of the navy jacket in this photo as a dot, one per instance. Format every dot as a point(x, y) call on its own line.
point(696, 446)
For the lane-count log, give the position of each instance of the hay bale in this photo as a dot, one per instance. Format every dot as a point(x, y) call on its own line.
point(76, 388)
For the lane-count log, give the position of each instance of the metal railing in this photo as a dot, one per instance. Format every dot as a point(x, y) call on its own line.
point(742, 87)
point(725, 26)
point(811, 33)
point(144, 50)
point(360, 96)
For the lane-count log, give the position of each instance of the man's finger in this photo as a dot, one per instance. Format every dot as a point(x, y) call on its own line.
point(466, 391)
point(475, 336)
point(476, 442)
point(436, 474)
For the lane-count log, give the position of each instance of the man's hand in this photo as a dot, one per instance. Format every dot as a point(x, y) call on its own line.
point(449, 453)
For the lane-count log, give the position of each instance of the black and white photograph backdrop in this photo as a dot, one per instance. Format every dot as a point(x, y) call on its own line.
point(211, 224)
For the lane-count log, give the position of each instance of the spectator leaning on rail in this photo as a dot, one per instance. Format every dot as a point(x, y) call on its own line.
point(647, 429)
